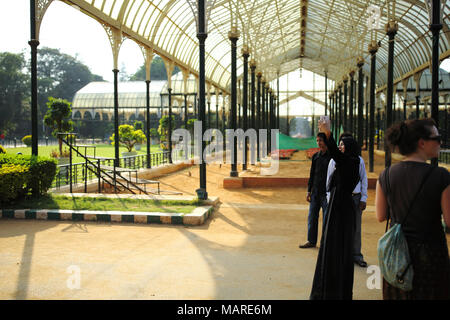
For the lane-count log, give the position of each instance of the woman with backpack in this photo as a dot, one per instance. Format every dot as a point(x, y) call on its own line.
point(417, 196)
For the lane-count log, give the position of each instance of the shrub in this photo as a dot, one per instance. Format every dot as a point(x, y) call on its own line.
point(2, 149)
point(14, 178)
point(42, 171)
point(128, 137)
point(27, 140)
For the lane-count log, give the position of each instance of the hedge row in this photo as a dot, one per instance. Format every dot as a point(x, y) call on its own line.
point(22, 174)
point(13, 179)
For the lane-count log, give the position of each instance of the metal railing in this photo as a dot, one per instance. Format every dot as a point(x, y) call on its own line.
point(17, 143)
point(82, 174)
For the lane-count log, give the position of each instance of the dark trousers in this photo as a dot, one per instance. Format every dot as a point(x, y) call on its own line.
point(317, 201)
point(357, 255)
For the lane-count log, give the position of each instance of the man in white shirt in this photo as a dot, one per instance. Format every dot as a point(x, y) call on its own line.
point(359, 201)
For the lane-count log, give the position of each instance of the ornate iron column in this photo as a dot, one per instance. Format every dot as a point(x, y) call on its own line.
point(116, 119)
point(336, 115)
point(378, 127)
point(34, 43)
point(391, 30)
point(233, 35)
point(208, 125)
point(340, 111)
point(330, 96)
point(360, 63)
point(217, 111)
point(186, 115)
point(170, 124)
point(373, 48)
point(417, 107)
point(326, 93)
point(267, 108)
point(345, 116)
point(252, 93)
point(277, 101)
point(147, 86)
point(202, 35)
point(258, 113)
point(263, 111)
point(404, 108)
point(435, 27)
point(245, 55)
point(351, 106)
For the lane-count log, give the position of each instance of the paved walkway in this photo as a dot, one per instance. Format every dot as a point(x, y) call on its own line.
point(248, 249)
point(241, 253)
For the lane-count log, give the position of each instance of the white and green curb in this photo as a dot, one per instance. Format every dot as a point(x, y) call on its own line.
point(197, 217)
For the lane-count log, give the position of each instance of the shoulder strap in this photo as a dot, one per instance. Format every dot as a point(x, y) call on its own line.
point(388, 192)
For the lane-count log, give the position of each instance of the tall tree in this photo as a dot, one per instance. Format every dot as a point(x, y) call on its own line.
point(14, 92)
point(157, 71)
point(60, 75)
point(58, 118)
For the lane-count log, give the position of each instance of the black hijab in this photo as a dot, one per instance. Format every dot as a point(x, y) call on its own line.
point(351, 147)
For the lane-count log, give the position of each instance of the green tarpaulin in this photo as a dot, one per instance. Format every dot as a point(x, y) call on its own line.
point(286, 142)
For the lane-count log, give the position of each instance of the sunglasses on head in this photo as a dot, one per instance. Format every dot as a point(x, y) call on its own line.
point(435, 138)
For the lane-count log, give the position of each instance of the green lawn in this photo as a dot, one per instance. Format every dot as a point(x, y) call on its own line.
point(105, 204)
point(102, 150)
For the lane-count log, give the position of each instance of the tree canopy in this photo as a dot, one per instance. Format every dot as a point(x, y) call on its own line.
point(59, 75)
point(14, 92)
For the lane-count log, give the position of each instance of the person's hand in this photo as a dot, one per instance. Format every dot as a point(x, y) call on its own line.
point(324, 124)
point(308, 197)
point(362, 205)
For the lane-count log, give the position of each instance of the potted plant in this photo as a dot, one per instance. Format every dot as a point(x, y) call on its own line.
point(128, 138)
point(154, 136)
point(62, 157)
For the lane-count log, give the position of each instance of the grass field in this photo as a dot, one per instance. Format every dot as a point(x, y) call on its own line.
point(105, 204)
point(102, 150)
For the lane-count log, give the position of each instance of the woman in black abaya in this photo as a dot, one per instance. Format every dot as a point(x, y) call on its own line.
point(333, 278)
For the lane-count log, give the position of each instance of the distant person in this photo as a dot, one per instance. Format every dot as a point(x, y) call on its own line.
point(316, 195)
point(333, 277)
point(418, 140)
point(359, 196)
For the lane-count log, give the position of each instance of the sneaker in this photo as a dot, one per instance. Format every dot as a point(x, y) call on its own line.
point(361, 263)
point(307, 245)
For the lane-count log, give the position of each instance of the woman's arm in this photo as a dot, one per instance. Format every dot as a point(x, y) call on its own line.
point(380, 203)
point(445, 205)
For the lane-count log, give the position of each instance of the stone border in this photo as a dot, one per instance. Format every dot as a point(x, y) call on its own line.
point(197, 217)
point(275, 182)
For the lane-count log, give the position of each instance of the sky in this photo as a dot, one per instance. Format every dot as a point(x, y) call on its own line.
point(66, 28)
point(69, 30)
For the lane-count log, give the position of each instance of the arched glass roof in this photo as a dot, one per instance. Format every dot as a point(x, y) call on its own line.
point(100, 95)
point(283, 35)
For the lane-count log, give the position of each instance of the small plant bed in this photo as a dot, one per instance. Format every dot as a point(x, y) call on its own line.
point(146, 211)
point(106, 204)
